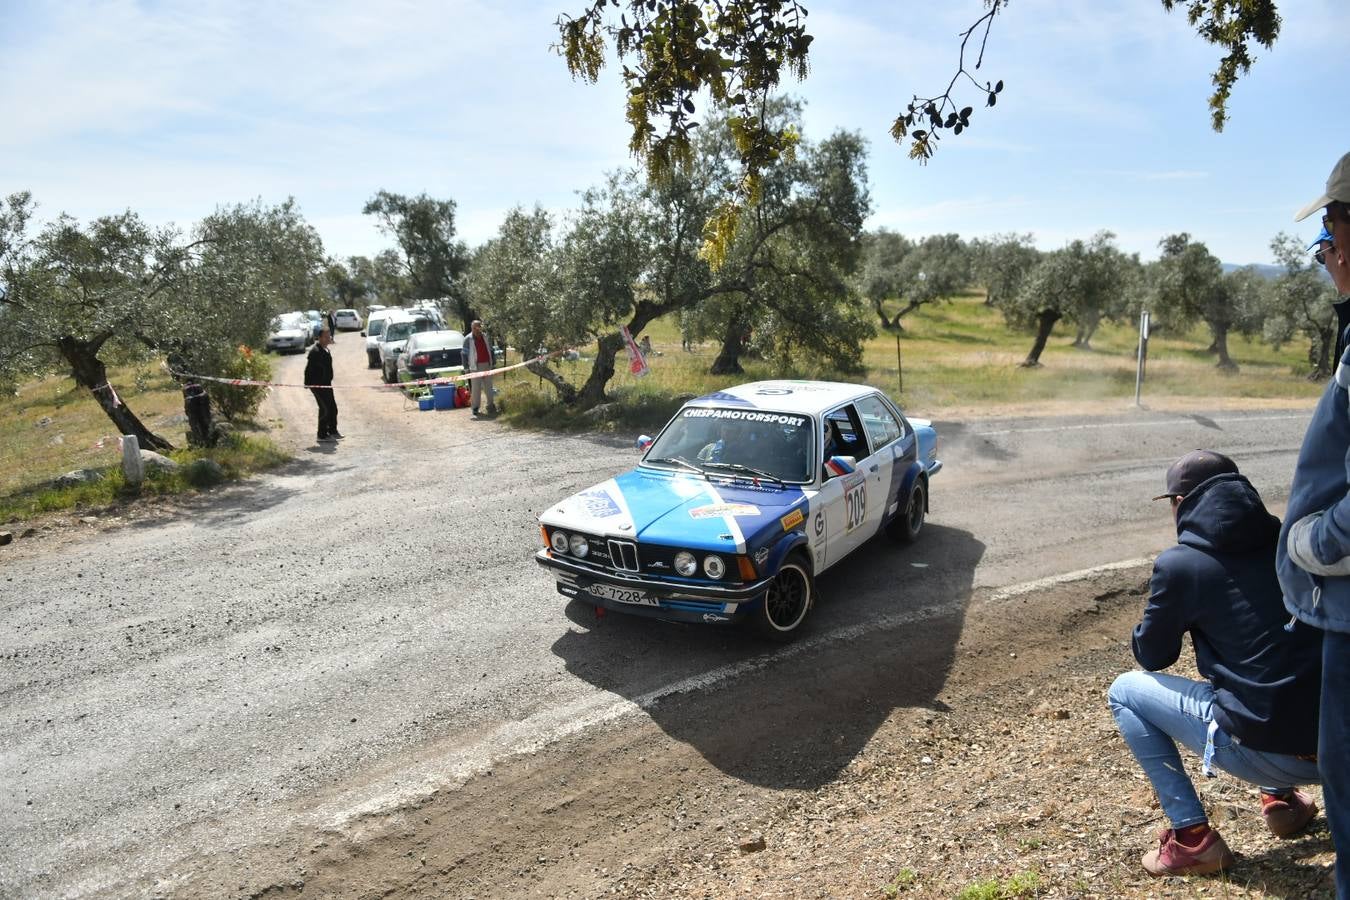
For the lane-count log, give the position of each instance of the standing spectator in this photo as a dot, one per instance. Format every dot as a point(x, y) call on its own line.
point(1324, 252)
point(319, 380)
point(332, 326)
point(477, 357)
point(1255, 713)
point(1314, 551)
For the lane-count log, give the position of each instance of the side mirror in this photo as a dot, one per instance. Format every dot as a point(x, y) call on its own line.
point(840, 465)
point(643, 442)
point(363, 332)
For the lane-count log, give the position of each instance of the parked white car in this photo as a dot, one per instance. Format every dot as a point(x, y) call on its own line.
point(289, 332)
point(397, 330)
point(347, 320)
point(373, 331)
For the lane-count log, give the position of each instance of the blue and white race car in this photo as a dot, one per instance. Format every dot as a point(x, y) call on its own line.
point(742, 499)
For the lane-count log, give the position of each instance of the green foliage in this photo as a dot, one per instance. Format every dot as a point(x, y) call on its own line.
point(240, 402)
point(739, 50)
point(1189, 285)
point(903, 880)
point(117, 290)
point(1233, 25)
point(1023, 884)
point(1002, 263)
point(1084, 282)
point(1300, 303)
point(433, 259)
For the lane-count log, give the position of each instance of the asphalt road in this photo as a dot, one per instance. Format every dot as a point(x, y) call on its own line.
point(368, 623)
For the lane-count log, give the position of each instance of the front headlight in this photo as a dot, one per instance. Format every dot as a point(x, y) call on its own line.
point(559, 541)
point(579, 546)
point(685, 564)
point(714, 567)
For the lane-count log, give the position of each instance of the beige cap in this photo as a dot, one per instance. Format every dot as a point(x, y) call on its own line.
point(1338, 188)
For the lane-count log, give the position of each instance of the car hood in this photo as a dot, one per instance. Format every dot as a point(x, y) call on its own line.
point(681, 510)
point(290, 333)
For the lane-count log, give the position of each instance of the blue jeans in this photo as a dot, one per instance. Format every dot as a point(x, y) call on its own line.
point(1333, 749)
point(1155, 712)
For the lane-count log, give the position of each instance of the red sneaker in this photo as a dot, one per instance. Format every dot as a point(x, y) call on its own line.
point(1287, 816)
point(1173, 858)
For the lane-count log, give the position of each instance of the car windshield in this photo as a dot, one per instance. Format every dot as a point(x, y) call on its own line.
point(399, 331)
point(281, 323)
point(750, 442)
point(375, 328)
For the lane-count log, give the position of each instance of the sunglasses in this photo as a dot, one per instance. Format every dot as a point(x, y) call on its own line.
point(1321, 257)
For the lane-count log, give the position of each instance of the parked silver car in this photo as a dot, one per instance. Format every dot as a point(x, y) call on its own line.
point(430, 350)
point(289, 332)
point(397, 330)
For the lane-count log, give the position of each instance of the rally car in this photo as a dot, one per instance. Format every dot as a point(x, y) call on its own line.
point(743, 498)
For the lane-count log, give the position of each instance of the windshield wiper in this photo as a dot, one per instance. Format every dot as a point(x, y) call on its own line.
point(748, 470)
point(679, 461)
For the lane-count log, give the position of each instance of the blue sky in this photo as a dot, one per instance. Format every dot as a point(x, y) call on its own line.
point(173, 108)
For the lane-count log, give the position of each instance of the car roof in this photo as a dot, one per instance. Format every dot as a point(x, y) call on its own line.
point(810, 397)
point(425, 338)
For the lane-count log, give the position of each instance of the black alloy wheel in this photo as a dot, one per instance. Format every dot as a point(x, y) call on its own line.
point(790, 596)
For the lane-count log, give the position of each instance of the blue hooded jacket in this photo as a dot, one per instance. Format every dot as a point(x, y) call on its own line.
point(1313, 557)
point(1219, 584)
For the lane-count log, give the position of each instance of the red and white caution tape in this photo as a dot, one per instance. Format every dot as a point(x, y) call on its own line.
point(447, 379)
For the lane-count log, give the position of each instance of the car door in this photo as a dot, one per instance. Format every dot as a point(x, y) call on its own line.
point(847, 496)
point(885, 434)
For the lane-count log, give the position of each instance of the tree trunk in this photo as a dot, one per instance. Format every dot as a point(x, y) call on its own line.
point(1221, 347)
point(1319, 354)
point(566, 393)
point(602, 370)
point(728, 361)
point(886, 323)
point(1045, 323)
point(1083, 339)
point(90, 373)
point(592, 393)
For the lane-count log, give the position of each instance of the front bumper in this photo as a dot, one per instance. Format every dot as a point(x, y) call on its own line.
point(673, 600)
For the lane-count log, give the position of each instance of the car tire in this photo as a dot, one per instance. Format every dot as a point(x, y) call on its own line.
point(907, 526)
point(372, 360)
point(384, 375)
point(788, 601)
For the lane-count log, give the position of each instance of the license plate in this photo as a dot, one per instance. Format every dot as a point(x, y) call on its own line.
point(622, 595)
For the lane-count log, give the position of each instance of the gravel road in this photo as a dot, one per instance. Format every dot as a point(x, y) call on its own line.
point(366, 625)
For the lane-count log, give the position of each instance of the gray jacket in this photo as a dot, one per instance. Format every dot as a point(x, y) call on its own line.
point(469, 358)
point(1313, 556)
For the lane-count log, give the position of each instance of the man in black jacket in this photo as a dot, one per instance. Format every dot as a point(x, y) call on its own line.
point(319, 380)
point(1255, 714)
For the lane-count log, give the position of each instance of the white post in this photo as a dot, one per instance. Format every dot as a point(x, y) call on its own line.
point(132, 467)
point(1143, 353)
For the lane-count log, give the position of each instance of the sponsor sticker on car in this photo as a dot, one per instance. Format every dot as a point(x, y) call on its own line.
point(792, 520)
point(717, 510)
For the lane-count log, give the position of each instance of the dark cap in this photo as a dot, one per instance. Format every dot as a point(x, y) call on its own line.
point(1193, 469)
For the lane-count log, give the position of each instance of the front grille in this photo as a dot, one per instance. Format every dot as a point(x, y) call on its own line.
point(623, 555)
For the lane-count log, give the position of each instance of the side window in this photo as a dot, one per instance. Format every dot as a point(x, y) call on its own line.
point(879, 421)
point(844, 435)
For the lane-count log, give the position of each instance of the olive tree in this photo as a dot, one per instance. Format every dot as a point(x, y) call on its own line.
point(434, 260)
point(1083, 282)
point(119, 290)
point(1301, 303)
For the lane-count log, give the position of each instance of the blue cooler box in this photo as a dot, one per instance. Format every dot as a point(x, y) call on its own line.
point(443, 396)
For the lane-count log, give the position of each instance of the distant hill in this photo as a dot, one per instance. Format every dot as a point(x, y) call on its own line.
point(1264, 271)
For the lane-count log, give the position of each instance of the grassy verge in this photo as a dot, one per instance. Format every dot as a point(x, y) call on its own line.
point(955, 358)
point(51, 426)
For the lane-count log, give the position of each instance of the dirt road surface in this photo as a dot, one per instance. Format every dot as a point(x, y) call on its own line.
point(349, 677)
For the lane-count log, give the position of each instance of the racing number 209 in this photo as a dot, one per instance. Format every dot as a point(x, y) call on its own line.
point(855, 506)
